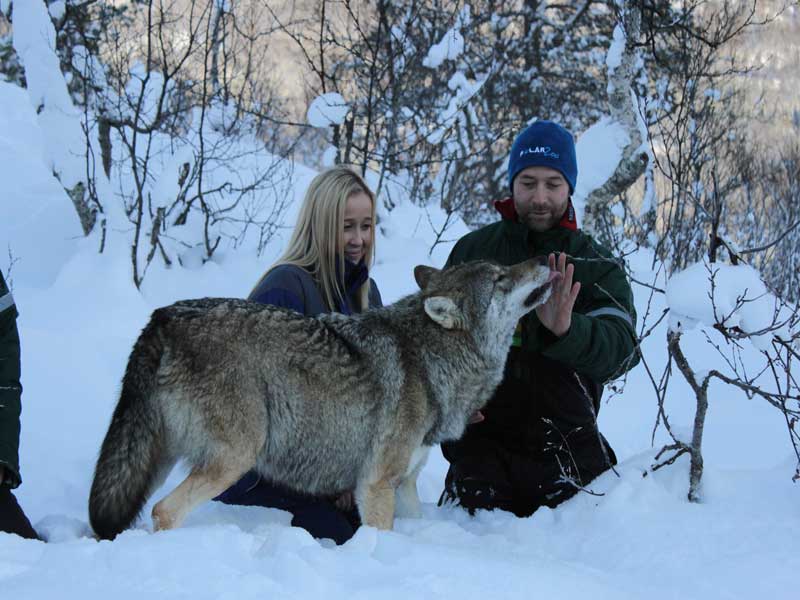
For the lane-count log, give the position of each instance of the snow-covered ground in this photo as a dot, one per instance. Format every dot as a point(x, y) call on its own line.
point(638, 538)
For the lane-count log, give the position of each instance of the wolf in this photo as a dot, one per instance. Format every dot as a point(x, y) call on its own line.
point(320, 404)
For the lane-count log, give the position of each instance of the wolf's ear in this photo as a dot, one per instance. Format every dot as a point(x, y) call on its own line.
point(444, 312)
point(423, 275)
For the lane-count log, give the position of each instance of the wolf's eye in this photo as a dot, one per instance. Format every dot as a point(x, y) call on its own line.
point(499, 278)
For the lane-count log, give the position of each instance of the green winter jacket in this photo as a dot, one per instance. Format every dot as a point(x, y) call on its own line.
point(601, 341)
point(10, 388)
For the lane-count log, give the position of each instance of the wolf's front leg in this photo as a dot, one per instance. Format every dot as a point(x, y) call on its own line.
point(407, 502)
point(376, 504)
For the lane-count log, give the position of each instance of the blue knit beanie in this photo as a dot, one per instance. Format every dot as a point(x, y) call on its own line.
point(544, 144)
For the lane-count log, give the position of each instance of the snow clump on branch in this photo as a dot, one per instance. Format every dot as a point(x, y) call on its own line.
point(327, 109)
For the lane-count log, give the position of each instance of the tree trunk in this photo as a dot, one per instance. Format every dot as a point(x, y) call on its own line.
point(625, 111)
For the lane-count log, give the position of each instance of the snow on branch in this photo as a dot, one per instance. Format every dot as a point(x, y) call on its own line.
point(727, 297)
point(451, 46)
point(731, 301)
point(327, 109)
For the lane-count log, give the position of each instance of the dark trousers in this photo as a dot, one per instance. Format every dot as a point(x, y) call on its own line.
point(496, 477)
point(12, 519)
point(319, 516)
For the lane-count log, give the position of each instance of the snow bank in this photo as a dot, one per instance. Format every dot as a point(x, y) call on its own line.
point(38, 224)
point(59, 120)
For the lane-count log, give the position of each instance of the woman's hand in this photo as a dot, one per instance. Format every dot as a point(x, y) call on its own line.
point(556, 313)
point(475, 417)
point(345, 502)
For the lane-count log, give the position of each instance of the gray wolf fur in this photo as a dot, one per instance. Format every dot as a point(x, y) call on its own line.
point(322, 405)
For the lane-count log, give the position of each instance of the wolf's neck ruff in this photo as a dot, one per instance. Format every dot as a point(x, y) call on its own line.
point(468, 363)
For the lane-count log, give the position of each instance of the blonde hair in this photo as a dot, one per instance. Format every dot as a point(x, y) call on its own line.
point(318, 235)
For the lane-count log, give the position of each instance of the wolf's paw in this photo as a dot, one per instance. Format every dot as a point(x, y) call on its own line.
point(162, 519)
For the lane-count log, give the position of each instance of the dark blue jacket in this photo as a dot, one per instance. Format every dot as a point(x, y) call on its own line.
point(294, 287)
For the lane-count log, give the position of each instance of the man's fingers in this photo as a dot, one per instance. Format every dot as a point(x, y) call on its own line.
point(570, 291)
point(574, 293)
point(565, 285)
point(568, 275)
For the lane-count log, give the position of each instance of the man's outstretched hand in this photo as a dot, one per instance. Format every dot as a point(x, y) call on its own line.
point(556, 313)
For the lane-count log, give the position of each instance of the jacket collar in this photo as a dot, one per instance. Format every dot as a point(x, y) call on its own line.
point(355, 275)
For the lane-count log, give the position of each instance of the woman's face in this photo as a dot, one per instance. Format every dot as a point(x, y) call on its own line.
point(358, 226)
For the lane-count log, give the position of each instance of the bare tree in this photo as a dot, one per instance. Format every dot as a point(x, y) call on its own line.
point(708, 200)
point(765, 228)
point(175, 125)
point(436, 90)
point(772, 380)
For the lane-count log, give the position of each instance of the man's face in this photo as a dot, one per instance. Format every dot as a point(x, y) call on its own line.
point(540, 196)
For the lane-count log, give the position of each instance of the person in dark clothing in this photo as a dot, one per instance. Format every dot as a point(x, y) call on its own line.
point(539, 443)
point(324, 269)
point(12, 518)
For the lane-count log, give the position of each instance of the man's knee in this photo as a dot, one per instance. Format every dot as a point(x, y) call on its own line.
point(475, 485)
point(520, 487)
point(474, 494)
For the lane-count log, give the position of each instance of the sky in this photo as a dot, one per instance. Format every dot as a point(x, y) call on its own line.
point(636, 536)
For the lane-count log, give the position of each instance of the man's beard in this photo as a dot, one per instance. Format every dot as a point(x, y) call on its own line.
point(540, 223)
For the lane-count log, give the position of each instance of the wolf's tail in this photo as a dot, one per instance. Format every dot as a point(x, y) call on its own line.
point(131, 458)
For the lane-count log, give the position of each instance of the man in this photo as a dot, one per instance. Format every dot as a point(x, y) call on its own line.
point(539, 443)
point(12, 519)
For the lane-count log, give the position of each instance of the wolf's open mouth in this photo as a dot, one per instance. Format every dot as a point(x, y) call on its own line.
point(537, 294)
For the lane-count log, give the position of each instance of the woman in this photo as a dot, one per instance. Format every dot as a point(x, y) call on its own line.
point(324, 269)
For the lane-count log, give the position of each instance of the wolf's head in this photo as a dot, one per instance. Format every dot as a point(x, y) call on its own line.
point(482, 296)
